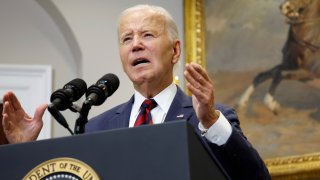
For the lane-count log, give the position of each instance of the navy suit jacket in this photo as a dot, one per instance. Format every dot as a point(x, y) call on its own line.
point(239, 159)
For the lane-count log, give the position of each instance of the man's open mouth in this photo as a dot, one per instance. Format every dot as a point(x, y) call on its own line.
point(140, 61)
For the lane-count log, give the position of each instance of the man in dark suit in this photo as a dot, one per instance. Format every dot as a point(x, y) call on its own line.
point(149, 48)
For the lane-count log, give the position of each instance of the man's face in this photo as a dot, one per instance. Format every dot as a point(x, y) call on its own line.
point(146, 51)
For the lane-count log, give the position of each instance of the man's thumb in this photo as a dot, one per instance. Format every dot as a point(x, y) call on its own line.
point(39, 112)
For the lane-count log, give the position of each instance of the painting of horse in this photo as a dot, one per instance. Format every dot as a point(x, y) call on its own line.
point(264, 59)
point(300, 53)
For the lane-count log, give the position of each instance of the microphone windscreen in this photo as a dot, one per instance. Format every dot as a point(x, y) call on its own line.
point(112, 82)
point(79, 87)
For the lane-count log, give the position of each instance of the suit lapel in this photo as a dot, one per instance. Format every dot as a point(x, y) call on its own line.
point(181, 107)
point(123, 113)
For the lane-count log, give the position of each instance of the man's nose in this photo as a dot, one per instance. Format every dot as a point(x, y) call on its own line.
point(137, 44)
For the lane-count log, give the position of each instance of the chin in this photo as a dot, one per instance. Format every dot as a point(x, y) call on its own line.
point(141, 79)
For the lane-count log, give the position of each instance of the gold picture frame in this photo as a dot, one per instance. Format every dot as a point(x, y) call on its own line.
point(304, 166)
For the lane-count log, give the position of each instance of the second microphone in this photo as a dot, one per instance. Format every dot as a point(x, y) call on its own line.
point(105, 87)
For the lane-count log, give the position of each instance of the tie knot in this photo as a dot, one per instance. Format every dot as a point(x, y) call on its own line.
point(144, 116)
point(149, 104)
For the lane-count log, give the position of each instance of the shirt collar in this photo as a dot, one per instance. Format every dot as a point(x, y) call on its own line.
point(163, 99)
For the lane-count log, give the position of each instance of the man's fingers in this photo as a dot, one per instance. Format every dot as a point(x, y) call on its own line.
point(195, 91)
point(5, 97)
point(199, 83)
point(190, 79)
point(6, 122)
point(197, 72)
point(192, 75)
point(7, 109)
point(200, 71)
point(14, 101)
point(198, 77)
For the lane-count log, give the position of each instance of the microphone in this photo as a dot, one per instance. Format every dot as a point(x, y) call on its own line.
point(72, 91)
point(105, 87)
point(96, 95)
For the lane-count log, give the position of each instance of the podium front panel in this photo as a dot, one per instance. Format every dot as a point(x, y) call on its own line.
point(158, 152)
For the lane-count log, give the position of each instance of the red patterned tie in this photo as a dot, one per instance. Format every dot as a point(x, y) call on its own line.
point(144, 116)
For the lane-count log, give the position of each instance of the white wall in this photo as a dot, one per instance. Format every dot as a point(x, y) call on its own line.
point(76, 37)
point(29, 36)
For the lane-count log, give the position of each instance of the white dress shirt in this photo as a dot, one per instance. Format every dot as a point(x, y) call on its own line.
point(218, 133)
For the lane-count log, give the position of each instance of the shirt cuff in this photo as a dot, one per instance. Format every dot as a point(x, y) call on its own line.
point(219, 132)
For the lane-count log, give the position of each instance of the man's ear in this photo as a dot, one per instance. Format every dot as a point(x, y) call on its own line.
point(176, 51)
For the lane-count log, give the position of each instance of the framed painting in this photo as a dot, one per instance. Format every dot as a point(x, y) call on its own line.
point(264, 58)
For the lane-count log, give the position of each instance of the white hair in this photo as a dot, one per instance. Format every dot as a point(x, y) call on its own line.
point(170, 23)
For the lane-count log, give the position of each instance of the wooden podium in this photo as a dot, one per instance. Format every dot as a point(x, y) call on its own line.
point(169, 151)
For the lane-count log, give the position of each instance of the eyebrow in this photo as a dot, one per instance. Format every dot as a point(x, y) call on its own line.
point(126, 33)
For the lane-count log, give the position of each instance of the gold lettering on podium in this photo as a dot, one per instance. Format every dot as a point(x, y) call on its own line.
point(62, 168)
